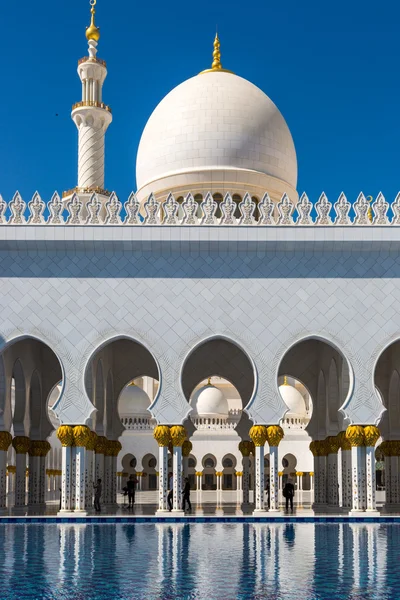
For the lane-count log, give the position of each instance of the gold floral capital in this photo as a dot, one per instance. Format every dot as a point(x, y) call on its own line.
point(333, 444)
point(299, 473)
point(5, 440)
point(259, 435)
point(311, 473)
point(245, 447)
point(21, 444)
point(371, 434)
point(355, 435)
point(178, 435)
point(280, 473)
point(101, 444)
point(199, 473)
point(344, 442)
point(39, 448)
point(239, 473)
point(82, 436)
point(92, 442)
point(162, 435)
point(275, 435)
point(65, 434)
point(186, 448)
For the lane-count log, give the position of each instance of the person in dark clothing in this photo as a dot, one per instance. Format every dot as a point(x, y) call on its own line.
point(131, 486)
point(186, 495)
point(97, 495)
point(170, 491)
point(288, 493)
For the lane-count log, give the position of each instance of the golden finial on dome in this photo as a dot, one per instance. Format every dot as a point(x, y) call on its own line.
point(209, 381)
point(285, 380)
point(216, 65)
point(92, 32)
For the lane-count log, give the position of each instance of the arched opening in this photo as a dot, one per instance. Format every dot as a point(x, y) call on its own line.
point(209, 473)
point(289, 463)
point(321, 374)
point(228, 476)
point(110, 370)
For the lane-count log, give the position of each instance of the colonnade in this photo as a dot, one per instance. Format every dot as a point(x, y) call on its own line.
point(87, 457)
point(357, 467)
point(19, 473)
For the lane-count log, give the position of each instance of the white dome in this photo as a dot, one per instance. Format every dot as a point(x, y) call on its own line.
point(293, 399)
point(209, 400)
point(216, 121)
point(133, 401)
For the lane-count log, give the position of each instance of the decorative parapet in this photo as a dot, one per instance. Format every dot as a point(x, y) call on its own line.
point(79, 211)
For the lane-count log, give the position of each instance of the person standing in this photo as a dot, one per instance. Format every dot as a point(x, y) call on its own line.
point(288, 493)
point(171, 491)
point(97, 495)
point(131, 485)
point(186, 495)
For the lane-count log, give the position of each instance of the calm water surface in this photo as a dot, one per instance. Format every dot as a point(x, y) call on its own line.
point(200, 561)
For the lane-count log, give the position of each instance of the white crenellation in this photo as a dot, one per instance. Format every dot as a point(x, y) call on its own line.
point(361, 207)
point(113, 209)
point(323, 208)
point(81, 210)
point(285, 208)
point(304, 207)
point(342, 209)
point(132, 207)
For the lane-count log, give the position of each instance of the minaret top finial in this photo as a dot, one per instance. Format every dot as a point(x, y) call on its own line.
point(92, 32)
point(216, 65)
point(216, 54)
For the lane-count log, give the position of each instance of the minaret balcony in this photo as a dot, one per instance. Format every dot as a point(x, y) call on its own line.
point(91, 103)
point(92, 59)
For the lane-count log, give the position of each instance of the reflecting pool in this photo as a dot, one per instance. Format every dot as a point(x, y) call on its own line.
point(208, 561)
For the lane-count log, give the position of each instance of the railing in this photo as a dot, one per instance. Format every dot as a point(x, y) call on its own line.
point(92, 59)
point(91, 103)
point(78, 211)
point(136, 423)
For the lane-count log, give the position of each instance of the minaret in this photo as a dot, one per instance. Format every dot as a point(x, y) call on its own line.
point(92, 117)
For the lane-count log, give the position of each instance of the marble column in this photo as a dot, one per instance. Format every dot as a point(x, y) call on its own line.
point(259, 436)
point(275, 435)
point(178, 436)
point(163, 436)
point(390, 449)
point(355, 435)
point(5, 441)
point(332, 446)
point(82, 438)
point(65, 434)
point(90, 470)
point(371, 435)
point(346, 471)
point(37, 473)
point(320, 451)
point(21, 445)
point(245, 449)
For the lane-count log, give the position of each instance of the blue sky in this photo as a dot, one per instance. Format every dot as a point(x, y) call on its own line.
point(332, 69)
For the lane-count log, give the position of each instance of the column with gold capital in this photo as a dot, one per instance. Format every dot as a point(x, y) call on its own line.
point(90, 474)
point(21, 445)
point(371, 435)
point(346, 484)
point(178, 436)
point(100, 449)
point(391, 452)
point(259, 436)
point(275, 435)
point(65, 434)
point(245, 447)
point(38, 450)
point(5, 441)
point(355, 435)
point(82, 437)
point(162, 435)
point(332, 447)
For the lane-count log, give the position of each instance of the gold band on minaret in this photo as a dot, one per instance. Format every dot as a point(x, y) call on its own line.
point(216, 65)
point(92, 32)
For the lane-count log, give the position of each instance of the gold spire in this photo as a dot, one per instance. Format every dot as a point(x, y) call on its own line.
point(92, 32)
point(209, 381)
point(216, 65)
point(285, 380)
point(370, 215)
